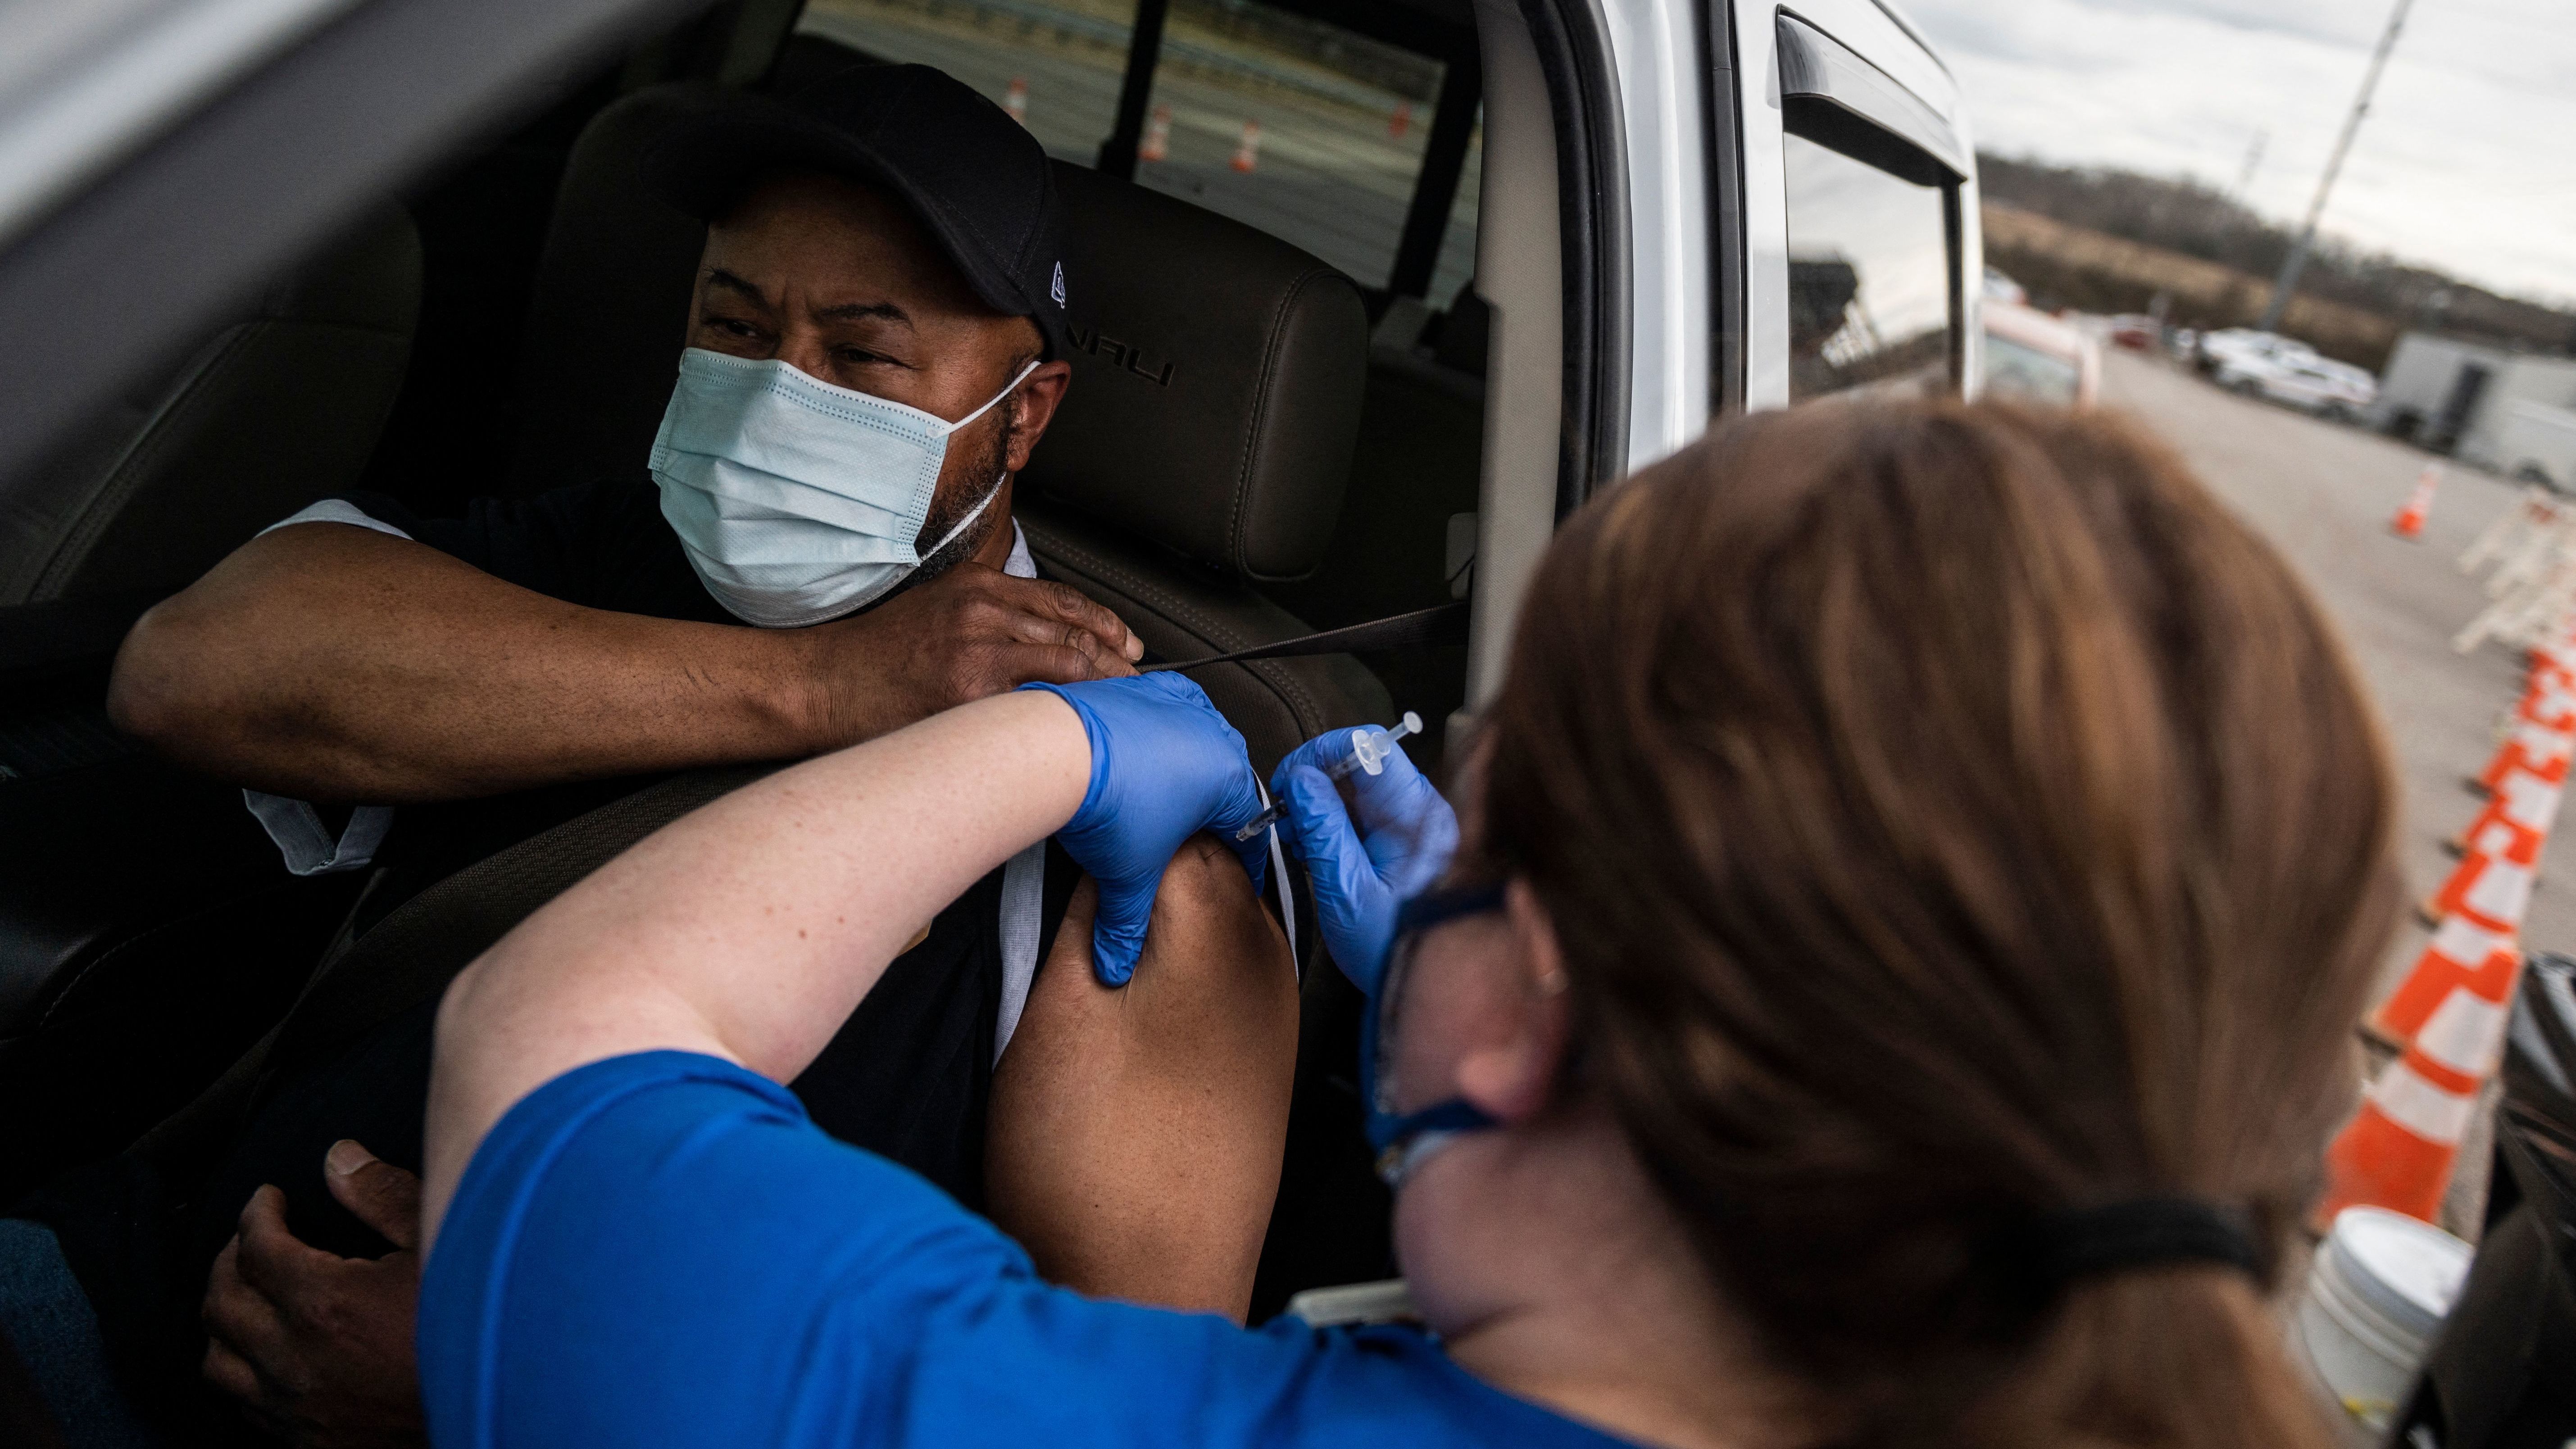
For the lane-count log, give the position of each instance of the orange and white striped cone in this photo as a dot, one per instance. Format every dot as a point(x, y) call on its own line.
point(2461, 953)
point(1016, 100)
point(1158, 136)
point(2531, 750)
point(2548, 703)
point(2398, 1151)
point(2409, 522)
point(1401, 121)
point(2526, 804)
point(2557, 658)
point(1247, 152)
point(2492, 886)
point(2555, 662)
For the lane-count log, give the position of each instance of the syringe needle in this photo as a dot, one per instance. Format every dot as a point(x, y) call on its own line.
point(1370, 746)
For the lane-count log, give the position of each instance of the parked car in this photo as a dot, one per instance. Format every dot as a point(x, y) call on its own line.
point(2030, 354)
point(2311, 383)
point(2135, 331)
point(253, 256)
point(2217, 349)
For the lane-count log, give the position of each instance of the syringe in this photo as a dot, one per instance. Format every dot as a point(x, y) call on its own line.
point(1370, 747)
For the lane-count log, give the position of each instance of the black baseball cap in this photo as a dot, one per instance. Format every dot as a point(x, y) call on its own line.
point(977, 179)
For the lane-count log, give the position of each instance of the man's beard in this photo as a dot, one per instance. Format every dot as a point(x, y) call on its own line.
point(981, 470)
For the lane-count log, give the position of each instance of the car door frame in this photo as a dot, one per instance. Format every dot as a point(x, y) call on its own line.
point(1904, 61)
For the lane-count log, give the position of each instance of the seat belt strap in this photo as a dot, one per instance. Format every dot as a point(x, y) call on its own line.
point(1445, 624)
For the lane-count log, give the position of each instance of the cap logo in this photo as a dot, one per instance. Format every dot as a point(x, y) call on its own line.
point(1056, 289)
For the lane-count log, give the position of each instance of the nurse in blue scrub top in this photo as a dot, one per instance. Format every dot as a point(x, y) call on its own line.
point(1888, 984)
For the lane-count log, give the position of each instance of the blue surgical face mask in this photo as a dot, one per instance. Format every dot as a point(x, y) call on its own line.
point(1406, 1140)
point(797, 501)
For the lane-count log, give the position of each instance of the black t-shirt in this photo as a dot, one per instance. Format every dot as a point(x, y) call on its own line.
point(602, 545)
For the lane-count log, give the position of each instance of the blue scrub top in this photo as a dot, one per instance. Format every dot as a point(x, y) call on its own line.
point(660, 1249)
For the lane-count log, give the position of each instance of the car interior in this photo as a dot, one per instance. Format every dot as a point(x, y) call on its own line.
point(1259, 443)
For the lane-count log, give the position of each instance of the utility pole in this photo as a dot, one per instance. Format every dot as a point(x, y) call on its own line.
point(2298, 257)
point(2253, 160)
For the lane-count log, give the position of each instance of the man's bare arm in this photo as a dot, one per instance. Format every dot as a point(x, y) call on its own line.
point(1136, 1133)
point(334, 663)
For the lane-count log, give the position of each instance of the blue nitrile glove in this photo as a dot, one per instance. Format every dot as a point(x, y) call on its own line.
point(1164, 766)
point(1406, 835)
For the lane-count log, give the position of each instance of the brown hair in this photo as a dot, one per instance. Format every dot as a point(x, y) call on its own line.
point(1951, 815)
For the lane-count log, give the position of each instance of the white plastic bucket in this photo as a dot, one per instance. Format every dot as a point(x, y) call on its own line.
point(2381, 1284)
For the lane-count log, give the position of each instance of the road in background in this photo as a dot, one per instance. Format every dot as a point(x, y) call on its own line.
point(2324, 494)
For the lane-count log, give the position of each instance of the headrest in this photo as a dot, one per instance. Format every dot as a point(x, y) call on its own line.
point(1217, 378)
point(608, 313)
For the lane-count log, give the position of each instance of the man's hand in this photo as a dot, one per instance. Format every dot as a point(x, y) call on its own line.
point(316, 1346)
point(972, 632)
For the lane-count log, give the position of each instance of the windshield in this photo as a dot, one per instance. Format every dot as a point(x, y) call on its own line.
point(2015, 370)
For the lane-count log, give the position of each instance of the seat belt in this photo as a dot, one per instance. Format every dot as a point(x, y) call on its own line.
point(1443, 624)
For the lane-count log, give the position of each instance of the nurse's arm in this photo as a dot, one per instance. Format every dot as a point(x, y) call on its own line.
point(333, 663)
point(750, 929)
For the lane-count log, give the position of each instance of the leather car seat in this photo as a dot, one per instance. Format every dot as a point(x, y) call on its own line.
point(1201, 452)
point(1204, 446)
point(146, 932)
point(279, 407)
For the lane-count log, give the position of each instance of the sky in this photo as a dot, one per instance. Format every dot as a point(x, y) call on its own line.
point(2467, 160)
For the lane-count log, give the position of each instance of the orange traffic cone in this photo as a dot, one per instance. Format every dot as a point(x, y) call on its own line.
point(2530, 750)
point(1401, 121)
point(2492, 886)
point(2461, 952)
point(1248, 150)
point(1016, 100)
point(2409, 522)
point(2548, 703)
point(1158, 136)
point(2525, 804)
point(2398, 1151)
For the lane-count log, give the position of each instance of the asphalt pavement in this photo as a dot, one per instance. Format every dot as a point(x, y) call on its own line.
point(2324, 495)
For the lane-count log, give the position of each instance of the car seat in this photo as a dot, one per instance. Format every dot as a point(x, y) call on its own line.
point(281, 406)
point(146, 932)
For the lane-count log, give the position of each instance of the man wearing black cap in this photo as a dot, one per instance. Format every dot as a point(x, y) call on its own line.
point(823, 553)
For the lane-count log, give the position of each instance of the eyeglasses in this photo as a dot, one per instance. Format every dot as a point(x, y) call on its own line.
point(1414, 920)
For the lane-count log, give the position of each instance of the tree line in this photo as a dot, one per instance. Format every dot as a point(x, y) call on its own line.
point(2195, 219)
